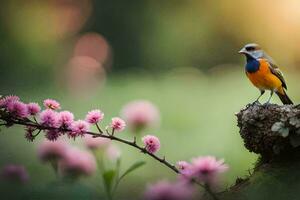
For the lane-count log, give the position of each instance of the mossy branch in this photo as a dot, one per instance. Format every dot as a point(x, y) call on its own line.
point(273, 132)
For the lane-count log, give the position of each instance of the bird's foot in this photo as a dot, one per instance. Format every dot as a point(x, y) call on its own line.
point(253, 104)
point(256, 102)
point(267, 104)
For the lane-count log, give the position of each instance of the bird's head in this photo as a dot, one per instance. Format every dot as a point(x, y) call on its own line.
point(252, 50)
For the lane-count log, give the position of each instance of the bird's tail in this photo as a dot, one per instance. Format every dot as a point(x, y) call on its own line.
point(284, 98)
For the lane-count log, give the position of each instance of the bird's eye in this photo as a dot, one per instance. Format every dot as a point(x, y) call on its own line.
point(250, 48)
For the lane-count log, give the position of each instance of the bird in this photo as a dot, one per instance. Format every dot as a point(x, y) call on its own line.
point(264, 74)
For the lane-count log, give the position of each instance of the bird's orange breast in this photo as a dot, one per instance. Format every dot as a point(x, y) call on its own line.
point(263, 78)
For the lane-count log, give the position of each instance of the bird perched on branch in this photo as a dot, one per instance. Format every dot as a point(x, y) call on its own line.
point(263, 73)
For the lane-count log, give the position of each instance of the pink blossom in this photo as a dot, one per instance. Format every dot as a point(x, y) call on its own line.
point(49, 118)
point(140, 114)
point(77, 162)
point(113, 153)
point(52, 135)
point(65, 119)
point(52, 150)
point(94, 116)
point(184, 167)
point(96, 143)
point(51, 104)
point(207, 168)
point(165, 190)
point(5, 100)
point(17, 109)
point(15, 173)
point(117, 124)
point(33, 108)
point(152, 143)
point(79, 127)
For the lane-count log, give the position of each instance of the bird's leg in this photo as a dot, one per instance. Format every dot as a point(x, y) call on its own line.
point(261, 93)
point(272, 92)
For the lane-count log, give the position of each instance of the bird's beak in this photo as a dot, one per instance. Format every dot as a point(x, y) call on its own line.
point(243, 51)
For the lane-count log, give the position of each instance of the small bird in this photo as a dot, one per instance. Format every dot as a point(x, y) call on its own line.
point(264, 73)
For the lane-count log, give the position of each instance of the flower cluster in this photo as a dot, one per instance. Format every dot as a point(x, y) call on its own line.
point(56, 123)
point(74, 162)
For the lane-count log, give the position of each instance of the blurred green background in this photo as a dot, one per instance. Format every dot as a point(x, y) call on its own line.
point(181, 55)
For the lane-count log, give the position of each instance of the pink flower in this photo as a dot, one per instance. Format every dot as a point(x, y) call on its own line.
point(17, 109)
point(113, 153)
point(94, 116)
point(33, 108)
point(5, 100)
point(140, 114)
point(52, 135)
point(79, 127)
point(51, 104)
point(65, 119)
point(165, 190)
point(184, 167)
point(52, 150)
point(15, 173)
point(207, 168)
point(117, 124)
point(49, 118)
point(77, 163)
point(95, 143)
point(151, 143)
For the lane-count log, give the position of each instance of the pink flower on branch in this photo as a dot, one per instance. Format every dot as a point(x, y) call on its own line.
point(183, 167)
point(79, 127)
point(52, 135)
point(51, 104)
point(117, 124)
point(65, 119)
point(5, 100)
point(17, 109)
point(94, 116)
point(206, 169)
point(152, 143)
point(33, 108)
point(49, 118)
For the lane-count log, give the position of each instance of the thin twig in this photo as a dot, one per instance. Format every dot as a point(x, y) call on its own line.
point(37, 133)
point(99, 129)
point(108, 136)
